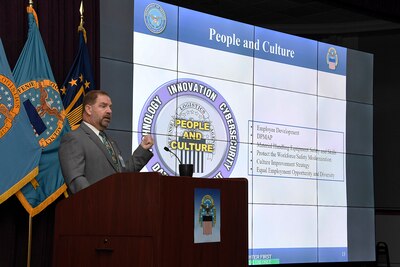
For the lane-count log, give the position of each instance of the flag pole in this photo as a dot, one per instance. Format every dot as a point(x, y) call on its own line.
point(28, 261)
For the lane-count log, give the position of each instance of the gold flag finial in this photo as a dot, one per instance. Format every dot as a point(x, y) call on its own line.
point(81, 11)
point(80, 27)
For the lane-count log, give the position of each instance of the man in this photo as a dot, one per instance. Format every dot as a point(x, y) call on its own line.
point(87, 155)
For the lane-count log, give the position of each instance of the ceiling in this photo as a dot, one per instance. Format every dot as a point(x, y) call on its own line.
point(305, 17)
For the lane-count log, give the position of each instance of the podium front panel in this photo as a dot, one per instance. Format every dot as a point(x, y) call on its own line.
point(145, 219)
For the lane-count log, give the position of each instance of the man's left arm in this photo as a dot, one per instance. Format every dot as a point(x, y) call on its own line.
point(141, 155)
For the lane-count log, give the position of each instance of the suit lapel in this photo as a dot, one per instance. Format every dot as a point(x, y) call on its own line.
point(93, 136)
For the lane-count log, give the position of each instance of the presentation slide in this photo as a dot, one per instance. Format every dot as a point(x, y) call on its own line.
point(237, 100)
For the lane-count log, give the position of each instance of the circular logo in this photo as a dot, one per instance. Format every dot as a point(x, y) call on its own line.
point(332, 58)
point(195, 123)
point(45, 97)
point(9, 104)
point(155, 18)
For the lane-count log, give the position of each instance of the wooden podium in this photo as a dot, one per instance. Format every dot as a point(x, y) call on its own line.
point(145, 219)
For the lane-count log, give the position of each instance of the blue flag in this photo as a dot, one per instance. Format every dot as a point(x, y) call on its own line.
point(78, 82)
point(19, 150)
point(38, 90)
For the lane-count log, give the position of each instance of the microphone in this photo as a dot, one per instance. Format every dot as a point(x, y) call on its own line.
point(168, 150)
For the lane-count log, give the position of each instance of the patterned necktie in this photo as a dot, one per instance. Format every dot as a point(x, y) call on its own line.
point(107, 143)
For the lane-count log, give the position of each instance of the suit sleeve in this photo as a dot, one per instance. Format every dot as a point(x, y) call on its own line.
point(72, 160)
point(139, 159)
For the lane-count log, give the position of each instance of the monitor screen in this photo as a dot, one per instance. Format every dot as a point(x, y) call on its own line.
point(285, 112)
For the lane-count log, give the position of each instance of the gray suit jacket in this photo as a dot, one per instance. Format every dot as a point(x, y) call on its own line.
point(85, 160)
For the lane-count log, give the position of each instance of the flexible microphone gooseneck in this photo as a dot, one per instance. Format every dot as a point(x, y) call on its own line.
point(168, 150)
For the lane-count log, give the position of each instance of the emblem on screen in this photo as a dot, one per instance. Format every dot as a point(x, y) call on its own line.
point(332, 58)
point(155, 18)
point(194, 121)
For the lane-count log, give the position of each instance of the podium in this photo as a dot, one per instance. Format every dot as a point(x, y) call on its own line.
point(145, 219)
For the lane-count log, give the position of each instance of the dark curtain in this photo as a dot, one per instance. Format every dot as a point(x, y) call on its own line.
point(58, 24)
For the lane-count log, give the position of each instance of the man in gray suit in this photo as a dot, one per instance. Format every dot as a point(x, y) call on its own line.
point(88, 155)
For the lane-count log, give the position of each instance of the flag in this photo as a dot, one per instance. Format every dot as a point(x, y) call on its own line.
point(38, 89)
point(19, 150)
point(78, 82)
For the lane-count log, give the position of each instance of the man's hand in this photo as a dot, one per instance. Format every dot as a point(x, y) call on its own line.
point(147, 141)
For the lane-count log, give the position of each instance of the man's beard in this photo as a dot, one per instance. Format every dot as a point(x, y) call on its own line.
point(105, 121)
